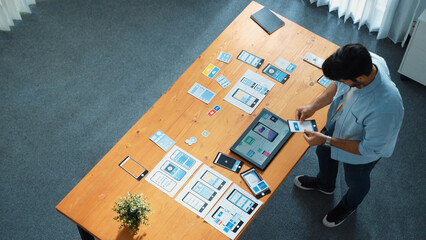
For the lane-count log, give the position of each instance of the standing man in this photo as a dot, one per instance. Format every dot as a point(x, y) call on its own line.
point(362, 126)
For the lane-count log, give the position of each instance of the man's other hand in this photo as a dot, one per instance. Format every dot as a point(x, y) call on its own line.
point(314, 138)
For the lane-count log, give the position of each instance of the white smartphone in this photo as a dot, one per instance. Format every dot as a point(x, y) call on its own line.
point(296, 126)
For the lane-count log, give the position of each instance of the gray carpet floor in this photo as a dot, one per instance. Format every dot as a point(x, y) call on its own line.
point(75, 75)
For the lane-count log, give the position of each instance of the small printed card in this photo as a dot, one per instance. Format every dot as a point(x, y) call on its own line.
point(223, 82)
point(286, 65)
point(205, 133)
point(162, 140)
point(211, 70)
point(201, 93)
point(224, 57)
point(214, 110)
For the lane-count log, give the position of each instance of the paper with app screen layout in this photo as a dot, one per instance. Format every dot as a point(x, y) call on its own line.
point(233, 211)
point(249, 91)
point(203, 191)
point(173, 171)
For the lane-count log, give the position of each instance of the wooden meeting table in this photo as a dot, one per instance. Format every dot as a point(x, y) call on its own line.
point(181, 116)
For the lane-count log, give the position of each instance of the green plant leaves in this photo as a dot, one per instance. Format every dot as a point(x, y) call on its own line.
point(132, 211)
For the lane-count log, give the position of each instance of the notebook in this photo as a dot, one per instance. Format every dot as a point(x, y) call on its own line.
point(267, 20)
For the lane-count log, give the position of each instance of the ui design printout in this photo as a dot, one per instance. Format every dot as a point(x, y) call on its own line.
point(249, 91)
point(201, 93)
point(233, 211)
point(203, 191)
point(173, 171)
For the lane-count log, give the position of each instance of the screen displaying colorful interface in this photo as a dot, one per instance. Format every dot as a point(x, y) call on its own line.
point(263, 138)
point(245, 98)
point(254, 182)
point(227, 220)
point(241, 201)
point(213, 180)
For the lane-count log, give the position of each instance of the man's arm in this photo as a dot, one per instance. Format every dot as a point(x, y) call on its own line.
point(317, 138)
point(351, 146)
point(323, 100)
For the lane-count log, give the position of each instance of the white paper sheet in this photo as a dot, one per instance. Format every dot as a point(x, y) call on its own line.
point(173, 171)
point(203, 191)
point(233, 211)
point(249, 91)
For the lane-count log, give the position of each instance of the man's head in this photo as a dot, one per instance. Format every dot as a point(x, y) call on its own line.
point(350, 64)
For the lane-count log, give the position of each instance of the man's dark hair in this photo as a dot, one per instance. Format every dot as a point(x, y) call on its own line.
point(348, 62)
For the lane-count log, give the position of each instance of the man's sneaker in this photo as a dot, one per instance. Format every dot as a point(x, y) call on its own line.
point(337, 216)
point(309, 183)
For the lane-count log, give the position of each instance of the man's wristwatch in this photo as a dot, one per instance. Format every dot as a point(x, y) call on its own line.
point(328, 142)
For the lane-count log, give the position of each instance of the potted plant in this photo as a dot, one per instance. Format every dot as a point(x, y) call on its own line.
point(132, 210)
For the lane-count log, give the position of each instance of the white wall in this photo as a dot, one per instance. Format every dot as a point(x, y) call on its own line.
point(421, 8)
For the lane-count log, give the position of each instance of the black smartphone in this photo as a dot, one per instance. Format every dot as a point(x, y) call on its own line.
point(254, 181)
point(228, 162)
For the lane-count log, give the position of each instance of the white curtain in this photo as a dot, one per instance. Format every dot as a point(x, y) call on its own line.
point(390, 18)
point(11, 10)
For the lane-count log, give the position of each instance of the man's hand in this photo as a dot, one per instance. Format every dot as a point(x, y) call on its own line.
point(317, 138)
point(314, 138)
point(323, 100)
point(304, 112)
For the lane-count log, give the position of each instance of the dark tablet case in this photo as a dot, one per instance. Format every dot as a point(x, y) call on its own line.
point(267, 20)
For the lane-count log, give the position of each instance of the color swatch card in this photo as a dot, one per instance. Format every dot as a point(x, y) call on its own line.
point(173, 171)
point(233, 211)
point(201, 93)
point(162, 140)
point(224, 57)
point(211, 70)
point(223, 82)
point(213, 111)
point(249, 91)
point(203, 191)
point(286, 65)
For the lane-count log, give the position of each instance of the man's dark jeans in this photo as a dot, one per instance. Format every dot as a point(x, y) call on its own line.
point(357, 177)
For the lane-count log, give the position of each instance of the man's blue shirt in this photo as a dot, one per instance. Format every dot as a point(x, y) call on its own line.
point(373, 116)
